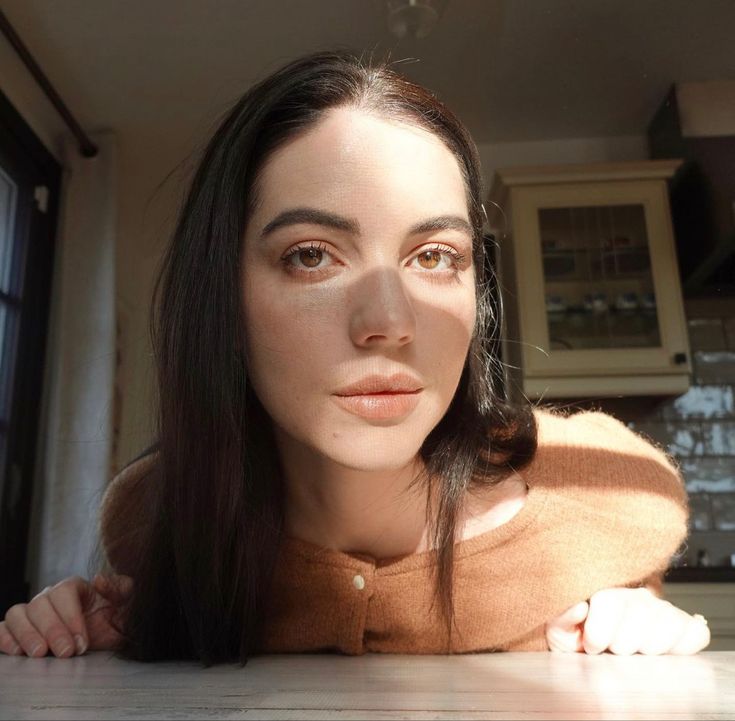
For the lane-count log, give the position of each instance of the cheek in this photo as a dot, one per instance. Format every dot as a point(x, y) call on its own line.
point(449, 313)
point(447, 337)
point(469, 316)
point(288, 339)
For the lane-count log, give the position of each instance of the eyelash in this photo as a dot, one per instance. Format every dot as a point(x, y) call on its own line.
point(457, 258)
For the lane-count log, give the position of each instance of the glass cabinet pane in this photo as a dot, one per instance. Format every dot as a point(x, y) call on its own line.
point(597, 275)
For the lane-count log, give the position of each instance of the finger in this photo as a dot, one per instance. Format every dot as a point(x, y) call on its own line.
point(8, 643)
point(572, 617)
point(563, 633)
point(603, 619)
point(68, 598)
point(696, 636)
point(27, 635)
point(635, 624)
point(668, 625)
point(44, 618)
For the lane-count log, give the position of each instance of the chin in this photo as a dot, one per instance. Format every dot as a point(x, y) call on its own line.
point(372, 454)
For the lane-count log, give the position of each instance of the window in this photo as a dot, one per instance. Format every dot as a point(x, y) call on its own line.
point(29, 192)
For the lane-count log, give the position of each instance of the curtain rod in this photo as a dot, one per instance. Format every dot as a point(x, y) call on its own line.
point(86, 147)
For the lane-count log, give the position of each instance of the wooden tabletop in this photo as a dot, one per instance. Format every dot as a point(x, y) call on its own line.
point(374, 686)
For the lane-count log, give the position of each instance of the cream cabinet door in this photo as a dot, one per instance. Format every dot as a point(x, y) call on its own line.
point(582, 251)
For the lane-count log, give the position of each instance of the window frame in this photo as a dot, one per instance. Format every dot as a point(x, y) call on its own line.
point(25, 158)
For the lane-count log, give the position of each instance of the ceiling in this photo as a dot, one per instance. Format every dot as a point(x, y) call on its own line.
point(512, 70)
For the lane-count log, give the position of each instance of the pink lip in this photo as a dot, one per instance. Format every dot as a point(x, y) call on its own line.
point(396, 383)
point(379, 406)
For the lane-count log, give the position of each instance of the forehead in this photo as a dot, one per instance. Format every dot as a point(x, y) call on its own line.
point(350, 152)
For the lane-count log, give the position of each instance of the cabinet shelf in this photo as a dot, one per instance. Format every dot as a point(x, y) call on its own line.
point(622, 250)
point(616, 278)
point(596, 264)
point(581, 329)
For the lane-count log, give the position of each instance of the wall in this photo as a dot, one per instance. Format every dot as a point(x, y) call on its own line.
point(562, 150)
point(706, 109)
point(28, 99)
point(154, 170)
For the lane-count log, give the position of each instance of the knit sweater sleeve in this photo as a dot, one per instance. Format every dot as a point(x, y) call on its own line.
point(664, 497)
point(624, 504)
point(124, 514)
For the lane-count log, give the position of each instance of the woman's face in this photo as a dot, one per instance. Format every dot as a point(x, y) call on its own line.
point(375, 296)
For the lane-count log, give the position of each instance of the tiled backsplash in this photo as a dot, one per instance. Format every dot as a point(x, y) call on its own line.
point(698, 428)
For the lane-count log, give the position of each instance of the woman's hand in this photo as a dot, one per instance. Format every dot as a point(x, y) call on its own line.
point(69, 618)
point(627, 621)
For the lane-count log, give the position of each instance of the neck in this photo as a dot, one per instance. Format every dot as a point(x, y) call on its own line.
point(362, 512)
point(374, 513)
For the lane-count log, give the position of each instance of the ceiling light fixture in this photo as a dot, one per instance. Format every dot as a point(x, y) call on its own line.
point(413, 18)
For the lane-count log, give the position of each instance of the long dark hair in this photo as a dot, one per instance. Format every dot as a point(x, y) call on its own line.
point(214, 496)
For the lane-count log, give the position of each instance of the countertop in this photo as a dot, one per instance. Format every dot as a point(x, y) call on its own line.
point(374, 686)
point(693, 574)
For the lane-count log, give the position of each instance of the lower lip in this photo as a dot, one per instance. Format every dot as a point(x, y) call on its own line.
point(380, 406)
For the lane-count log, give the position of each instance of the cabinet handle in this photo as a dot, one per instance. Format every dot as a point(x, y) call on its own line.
point(680, 358)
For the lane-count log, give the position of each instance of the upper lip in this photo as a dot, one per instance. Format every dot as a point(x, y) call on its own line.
point(396, 383)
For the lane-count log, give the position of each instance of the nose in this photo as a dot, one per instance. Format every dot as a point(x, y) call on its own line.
point(382, 312)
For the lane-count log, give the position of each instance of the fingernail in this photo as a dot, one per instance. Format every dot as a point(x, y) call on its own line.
point(62, 650)
point(16, 650)
point(81, 644)
point(35, 649)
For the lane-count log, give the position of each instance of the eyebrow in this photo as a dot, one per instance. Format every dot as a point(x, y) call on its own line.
point(293, 216)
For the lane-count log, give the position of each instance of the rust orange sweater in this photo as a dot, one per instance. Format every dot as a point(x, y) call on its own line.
point(604, 508)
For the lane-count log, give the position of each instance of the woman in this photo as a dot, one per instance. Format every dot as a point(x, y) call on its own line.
point(330, 435)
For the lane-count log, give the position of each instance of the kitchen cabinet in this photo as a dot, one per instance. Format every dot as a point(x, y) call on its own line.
point(589, 280)
point(715, 601)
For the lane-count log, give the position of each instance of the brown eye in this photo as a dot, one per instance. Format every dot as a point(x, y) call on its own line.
point(308, 257)
point(311, 257)
point(432, 256)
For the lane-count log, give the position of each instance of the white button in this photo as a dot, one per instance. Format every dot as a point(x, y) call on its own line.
point(359, 582)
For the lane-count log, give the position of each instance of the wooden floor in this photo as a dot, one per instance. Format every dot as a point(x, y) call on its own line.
point(477, 686)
